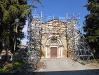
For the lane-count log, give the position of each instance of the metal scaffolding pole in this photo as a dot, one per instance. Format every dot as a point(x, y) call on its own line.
point(78, 48)
point(34, 44)
point(55, 29)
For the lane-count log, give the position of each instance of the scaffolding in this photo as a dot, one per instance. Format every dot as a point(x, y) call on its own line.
point(53, 27)
point(56, 28)
point(34, 43)
point(77, 46)
point(53, 30)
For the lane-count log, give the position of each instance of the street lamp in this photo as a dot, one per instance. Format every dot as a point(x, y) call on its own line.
point(15, 38)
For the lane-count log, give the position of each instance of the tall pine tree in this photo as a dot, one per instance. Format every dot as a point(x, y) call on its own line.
point(91, 25)
point(10, 30)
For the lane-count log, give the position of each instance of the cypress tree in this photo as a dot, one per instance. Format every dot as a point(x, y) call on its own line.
point(91, 25)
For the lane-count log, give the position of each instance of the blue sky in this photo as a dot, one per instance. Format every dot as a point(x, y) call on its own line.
point(60, 8)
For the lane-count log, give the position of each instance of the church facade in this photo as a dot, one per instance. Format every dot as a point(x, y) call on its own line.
point(58, 38)
point(54, 44)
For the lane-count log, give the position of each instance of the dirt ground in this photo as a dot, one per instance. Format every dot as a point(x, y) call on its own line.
point(66, 66)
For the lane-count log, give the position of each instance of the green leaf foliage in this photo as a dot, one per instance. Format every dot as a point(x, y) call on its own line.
point(10, 30)
point(91, 25)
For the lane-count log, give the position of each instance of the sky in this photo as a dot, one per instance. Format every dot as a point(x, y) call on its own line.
point(59, 8)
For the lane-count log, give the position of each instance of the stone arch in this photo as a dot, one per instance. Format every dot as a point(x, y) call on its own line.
point(50, 42)
point(58, 41)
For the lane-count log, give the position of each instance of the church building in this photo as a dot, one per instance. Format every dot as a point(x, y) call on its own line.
point(54, 39)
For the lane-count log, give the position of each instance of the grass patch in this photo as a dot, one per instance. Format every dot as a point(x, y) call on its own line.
point(94, 60)
point(18, 64)
point(8, 66)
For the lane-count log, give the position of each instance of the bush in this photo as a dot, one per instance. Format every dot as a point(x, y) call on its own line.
point(6, 68)
point(17, 64)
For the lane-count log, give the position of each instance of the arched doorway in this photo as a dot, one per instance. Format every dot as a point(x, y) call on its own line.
point(53, 47)
point(53, 52)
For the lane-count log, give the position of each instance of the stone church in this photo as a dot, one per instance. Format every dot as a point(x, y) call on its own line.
point(54, 44)
point(58, 38)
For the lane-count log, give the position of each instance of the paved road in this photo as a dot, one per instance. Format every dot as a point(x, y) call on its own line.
point(66, 66)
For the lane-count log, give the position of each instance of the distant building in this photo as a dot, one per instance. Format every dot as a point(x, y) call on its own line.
point(4, 52)
point(3, 55)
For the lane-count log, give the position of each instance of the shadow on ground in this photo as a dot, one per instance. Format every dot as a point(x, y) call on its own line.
point(76, 72)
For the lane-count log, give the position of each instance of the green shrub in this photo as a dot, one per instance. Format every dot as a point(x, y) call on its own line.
point(17, 64)
point(6, 68)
